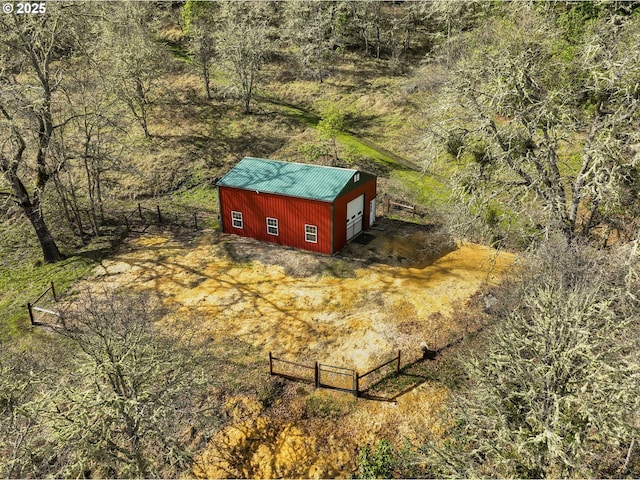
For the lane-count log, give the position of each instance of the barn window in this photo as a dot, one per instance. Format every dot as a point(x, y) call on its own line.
point(272, 226)
point(356, 177)
point(236, 220)
point(311, 233)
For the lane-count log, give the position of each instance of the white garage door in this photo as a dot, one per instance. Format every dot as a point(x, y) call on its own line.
point(355, 212)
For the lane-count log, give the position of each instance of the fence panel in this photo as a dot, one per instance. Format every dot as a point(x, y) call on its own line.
point(135, 220)
point(377, 375)
point(293, 370)
point(339, 378)
point(169, 216)
point(34, 311)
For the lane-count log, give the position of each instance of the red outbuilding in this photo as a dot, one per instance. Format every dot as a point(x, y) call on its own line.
point(304, 206)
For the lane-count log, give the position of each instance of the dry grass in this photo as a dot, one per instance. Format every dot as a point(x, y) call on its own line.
point(379, 105)
point(342, 311)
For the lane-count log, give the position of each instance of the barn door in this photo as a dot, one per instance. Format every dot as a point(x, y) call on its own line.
point(355, 212)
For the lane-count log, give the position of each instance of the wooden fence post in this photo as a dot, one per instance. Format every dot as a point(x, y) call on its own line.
point(195, 219)
point(356, 387)
point(316, 376)
point(30, 313)
point(398, 367)
point(53, 290)
point(140, 211)
point(270, 364)
point(159, 215)
point(126, 223)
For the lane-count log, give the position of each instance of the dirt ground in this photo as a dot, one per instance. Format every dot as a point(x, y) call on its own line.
point(352, 310)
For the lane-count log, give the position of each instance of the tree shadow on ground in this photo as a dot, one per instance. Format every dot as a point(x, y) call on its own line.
point(401, 243)
point(396, 243)
point(432, 366)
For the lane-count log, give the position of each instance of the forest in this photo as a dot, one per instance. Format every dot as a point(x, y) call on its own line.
point(513, 125)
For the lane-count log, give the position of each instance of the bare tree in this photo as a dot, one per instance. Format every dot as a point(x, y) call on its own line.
point(28, 446)
point(200, 24)
point(31, 62)
point(88, 146)
point(537, 121)
point(134, 60)
point(554, 392)
point(135, 396)
point(24, 381)
point(243, 45)
point(113, 396)
point(310, 26)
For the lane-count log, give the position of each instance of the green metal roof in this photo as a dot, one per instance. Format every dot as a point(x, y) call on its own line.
point(287, 178)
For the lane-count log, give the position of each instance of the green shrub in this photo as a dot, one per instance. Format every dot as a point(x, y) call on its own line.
point(378, 462)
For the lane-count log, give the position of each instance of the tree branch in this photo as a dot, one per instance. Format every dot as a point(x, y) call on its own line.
point(72, 117)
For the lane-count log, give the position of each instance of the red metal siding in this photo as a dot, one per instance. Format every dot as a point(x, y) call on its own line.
point(340, 211)
point(292, 214)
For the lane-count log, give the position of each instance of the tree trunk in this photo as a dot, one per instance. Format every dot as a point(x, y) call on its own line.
point(206, 78)
point(406, 44)
point(335, 153)
point(91, 187)
point(143, 120)
point(141, 101)
point(63, 200)
point(248, 90)
point(99, 195)
point(50, 251)
point(247, 106)
point(74, 207)
point(32, 210)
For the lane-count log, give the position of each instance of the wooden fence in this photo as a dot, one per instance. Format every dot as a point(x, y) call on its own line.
point(31, 306)
point(294, 370)
point(377, 374)
point(331, 376)
point(393, 205)
point(336, 378)
point(143, 216)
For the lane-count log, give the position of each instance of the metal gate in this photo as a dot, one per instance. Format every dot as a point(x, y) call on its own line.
point(338, 378)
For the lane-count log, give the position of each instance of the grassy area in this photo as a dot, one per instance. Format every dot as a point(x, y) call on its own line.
point(202, 197)
point(445, 371)
point(360, 148)
point(424, 189)
point(195, 140)
point(302, 115)
point(200, 201)
point(26, 277)
point(350, 142)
